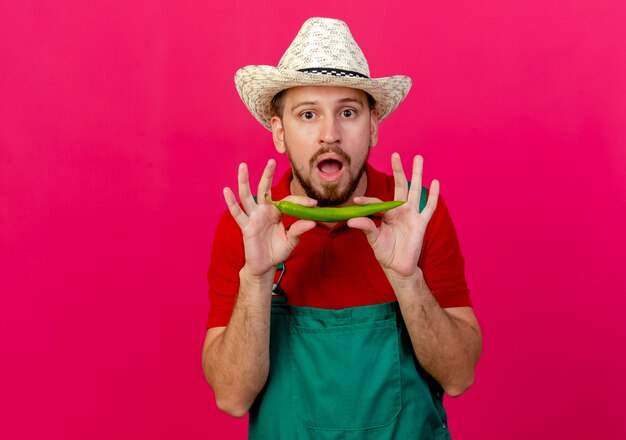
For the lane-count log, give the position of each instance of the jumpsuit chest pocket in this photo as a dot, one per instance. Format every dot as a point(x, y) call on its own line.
point(346, 377)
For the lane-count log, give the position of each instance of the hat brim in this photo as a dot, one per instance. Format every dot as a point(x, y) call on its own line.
point(258, 84)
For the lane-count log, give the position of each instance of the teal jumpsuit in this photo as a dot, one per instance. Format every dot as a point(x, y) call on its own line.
point(347, 374)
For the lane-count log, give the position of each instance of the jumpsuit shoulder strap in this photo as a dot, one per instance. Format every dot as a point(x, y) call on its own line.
point(423, 197)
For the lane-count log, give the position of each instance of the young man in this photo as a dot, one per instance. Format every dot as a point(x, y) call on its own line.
point(335, 330)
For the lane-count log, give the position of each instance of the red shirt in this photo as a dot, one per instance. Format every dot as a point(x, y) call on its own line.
point(335, 268)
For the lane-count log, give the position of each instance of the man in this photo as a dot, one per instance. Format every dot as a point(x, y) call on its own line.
point(346, 330)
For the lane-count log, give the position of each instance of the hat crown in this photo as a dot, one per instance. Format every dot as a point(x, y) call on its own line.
point(326, 43)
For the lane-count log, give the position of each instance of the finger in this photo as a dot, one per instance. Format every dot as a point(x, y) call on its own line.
point(400, 183)
point(416, 182)
point(362, 200)
point(245, 195)
point(298, 228)
point(265, 184)
point(301, 200)
point(431, 204)
point(233, 207)
point(366, 225)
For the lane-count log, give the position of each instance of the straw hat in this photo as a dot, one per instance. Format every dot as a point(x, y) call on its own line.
point(323, 53)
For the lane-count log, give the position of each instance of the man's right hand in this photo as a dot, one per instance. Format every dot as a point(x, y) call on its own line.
point(266, 242)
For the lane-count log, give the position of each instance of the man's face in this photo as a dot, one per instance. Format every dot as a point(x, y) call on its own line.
point(327, 133)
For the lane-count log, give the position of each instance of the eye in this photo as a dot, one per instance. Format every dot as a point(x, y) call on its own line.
point(307, 115)
point(348, 113)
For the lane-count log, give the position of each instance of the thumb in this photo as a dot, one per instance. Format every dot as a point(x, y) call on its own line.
point(367, 226)
point(297, 229)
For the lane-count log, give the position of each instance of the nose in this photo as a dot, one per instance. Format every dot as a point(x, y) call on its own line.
point(329, 131)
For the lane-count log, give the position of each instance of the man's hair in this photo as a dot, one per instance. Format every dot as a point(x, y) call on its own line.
point(277, 105)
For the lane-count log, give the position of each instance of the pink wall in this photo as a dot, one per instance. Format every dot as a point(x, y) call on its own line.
point(120, 124)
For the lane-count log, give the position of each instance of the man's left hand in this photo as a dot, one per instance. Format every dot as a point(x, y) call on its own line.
point(397, 242)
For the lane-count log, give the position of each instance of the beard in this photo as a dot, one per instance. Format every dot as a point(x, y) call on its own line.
point(330, 194)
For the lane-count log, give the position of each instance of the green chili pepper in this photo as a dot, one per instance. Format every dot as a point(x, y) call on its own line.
point(332, 214)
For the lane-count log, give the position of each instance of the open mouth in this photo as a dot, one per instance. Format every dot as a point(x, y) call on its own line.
point(331, 163)
point(329, 166)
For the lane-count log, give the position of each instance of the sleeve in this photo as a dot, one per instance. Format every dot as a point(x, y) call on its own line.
point(441, 261)
point(227, 259)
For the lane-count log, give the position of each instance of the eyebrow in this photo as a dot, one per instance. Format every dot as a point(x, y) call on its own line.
point(303, 104)
point(341, 101)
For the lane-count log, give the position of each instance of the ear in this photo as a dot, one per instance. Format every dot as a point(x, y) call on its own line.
point(373, 128)
point(278, 134)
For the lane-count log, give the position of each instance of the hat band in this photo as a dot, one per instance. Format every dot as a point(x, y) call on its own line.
point(334, 72)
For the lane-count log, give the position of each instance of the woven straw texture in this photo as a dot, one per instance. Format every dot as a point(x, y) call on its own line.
point(326, 48)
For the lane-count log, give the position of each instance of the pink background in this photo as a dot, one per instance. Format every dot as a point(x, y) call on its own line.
point(120, 124)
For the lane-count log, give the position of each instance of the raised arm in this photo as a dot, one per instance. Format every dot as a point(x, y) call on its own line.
point(447, 342)
point(235, 358)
